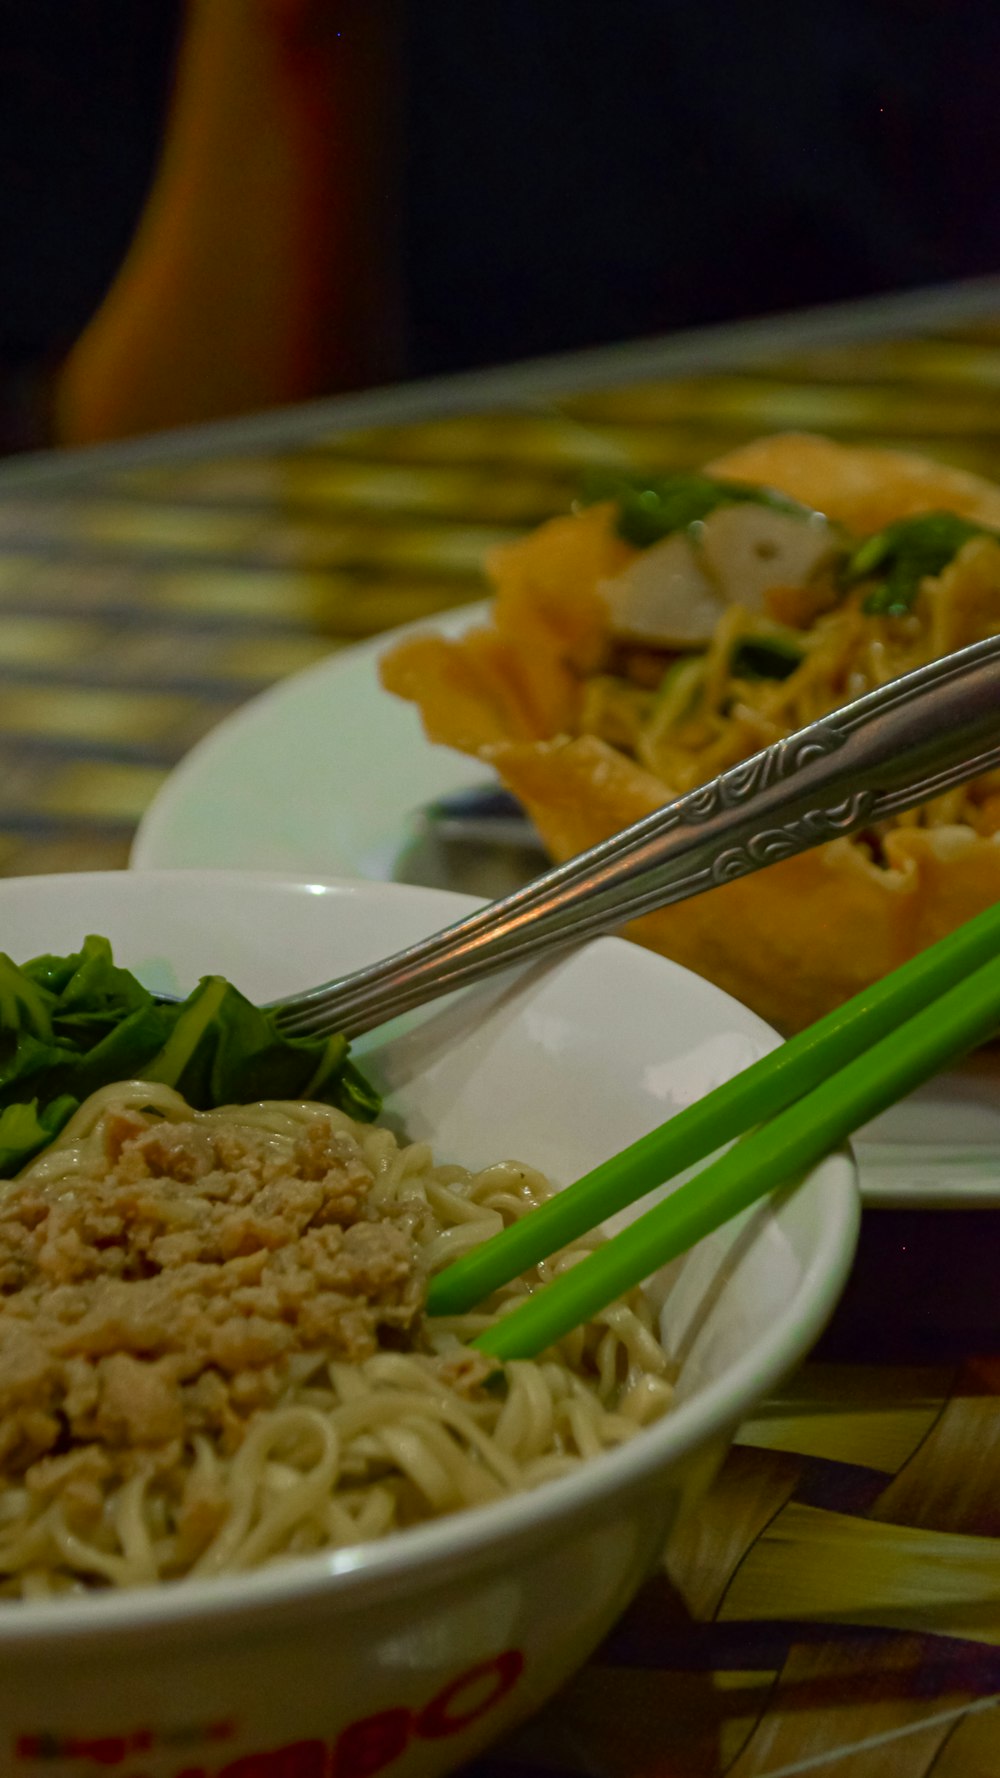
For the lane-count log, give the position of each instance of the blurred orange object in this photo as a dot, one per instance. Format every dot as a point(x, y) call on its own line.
point(258, 272)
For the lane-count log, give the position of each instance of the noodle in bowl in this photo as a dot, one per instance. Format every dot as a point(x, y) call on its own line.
point(410, 1650)
point(294, 1447)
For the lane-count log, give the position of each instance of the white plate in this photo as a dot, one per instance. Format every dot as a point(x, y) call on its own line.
point(326, 773)
point(321, 773)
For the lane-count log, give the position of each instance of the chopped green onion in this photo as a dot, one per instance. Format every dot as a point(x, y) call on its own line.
point(765, 657)
point(654, 506)
point(906, 553)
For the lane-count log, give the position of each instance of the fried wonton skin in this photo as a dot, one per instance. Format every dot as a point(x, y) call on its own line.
point(796, 939)
point(521, 677)
point(865, 488)
point(791, 941)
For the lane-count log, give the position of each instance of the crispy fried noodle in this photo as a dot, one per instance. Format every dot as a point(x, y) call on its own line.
point(593, 725)
point(213, 1352)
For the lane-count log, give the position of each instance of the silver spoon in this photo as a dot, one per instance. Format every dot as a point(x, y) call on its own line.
point(894, 748)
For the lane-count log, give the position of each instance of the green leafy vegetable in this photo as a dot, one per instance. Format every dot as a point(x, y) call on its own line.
point(24, 1130)
point(651, 507)
point(69, 1025)
point(688, 670)
point(676, 696)
point(902, 555)
point(765, 657)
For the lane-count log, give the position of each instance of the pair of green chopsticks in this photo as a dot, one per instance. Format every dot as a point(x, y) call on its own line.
point(815, 1090)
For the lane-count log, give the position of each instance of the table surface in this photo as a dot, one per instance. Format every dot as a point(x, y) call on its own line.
point(835, 1608)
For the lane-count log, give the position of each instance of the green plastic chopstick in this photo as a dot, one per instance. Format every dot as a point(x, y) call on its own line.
point(759, 1092)
point(966, 1015)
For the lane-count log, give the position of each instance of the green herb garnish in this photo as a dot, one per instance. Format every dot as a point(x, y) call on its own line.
point(902, 555)
point(654, 506)
point(764, 657)
point(69, 1025)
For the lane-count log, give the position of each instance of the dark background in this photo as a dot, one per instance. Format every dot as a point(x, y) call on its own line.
point(573, 171)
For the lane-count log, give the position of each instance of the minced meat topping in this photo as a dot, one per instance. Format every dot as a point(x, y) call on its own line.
point(167, 1294)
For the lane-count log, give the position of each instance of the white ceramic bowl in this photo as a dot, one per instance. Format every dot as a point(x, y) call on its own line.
point(413, 1653)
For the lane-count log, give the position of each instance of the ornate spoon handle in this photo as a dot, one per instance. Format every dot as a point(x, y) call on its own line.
point(896, 747)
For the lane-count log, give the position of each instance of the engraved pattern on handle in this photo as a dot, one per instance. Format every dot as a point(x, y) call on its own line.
point(785, 758)
point(773, 844)
point(746, 780)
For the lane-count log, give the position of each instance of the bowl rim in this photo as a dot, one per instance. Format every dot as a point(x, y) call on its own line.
point(359, 1576)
